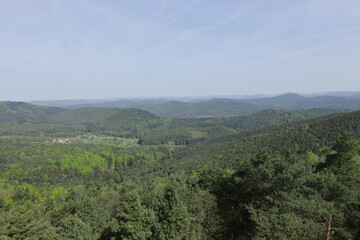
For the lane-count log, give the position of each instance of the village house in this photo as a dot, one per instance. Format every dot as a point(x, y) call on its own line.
point(61, 140)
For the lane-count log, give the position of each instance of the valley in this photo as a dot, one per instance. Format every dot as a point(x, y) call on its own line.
point(100, 171)
point(179, 120)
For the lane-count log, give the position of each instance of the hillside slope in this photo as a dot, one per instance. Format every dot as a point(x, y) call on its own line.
point(303, 136)
point(24, 112)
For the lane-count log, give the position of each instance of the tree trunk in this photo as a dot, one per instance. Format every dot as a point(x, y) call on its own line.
point(328, 233)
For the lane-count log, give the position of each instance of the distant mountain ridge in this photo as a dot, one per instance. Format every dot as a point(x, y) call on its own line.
point(91, 102)
point(294, 101)
point(336, 94)
point(219, 107)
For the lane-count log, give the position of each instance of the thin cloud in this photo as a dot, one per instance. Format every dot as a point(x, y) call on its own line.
point(310, 51)
point(316, 35)
point(176, 14)
point(238, 14)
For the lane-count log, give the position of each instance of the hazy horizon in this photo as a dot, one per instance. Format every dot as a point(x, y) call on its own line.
point(201, 97)
point(53, 50)
point(330, 93)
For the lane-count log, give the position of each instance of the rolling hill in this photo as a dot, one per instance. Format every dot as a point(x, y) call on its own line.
point(24, 112)
point(310, 135)
point(230, 107)
point(19, 119)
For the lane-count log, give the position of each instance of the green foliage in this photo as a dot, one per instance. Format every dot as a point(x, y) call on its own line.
point(344, 163)
point(132, 220)
point(269, 175)
point(271, 197)
point(83, 163)
point(177, 216)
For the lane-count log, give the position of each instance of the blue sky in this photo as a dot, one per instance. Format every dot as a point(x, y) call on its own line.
point(71, 49)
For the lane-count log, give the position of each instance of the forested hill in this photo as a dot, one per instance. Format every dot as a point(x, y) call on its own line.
point(134, 123)
point(27, 119)
point(24, 112)
point(228, 107)
point(101, 116)
point(210, 108)
point(273, 117)
point(301, 137)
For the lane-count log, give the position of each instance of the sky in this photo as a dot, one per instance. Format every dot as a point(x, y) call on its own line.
point(72, 49)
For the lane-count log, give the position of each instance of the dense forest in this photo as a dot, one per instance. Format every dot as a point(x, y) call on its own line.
point(111, 173)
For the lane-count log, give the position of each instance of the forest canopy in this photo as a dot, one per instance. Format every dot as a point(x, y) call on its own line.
point(105, 173)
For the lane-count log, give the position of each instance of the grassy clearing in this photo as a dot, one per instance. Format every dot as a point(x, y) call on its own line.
point(105, 140)
point(197, 133)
